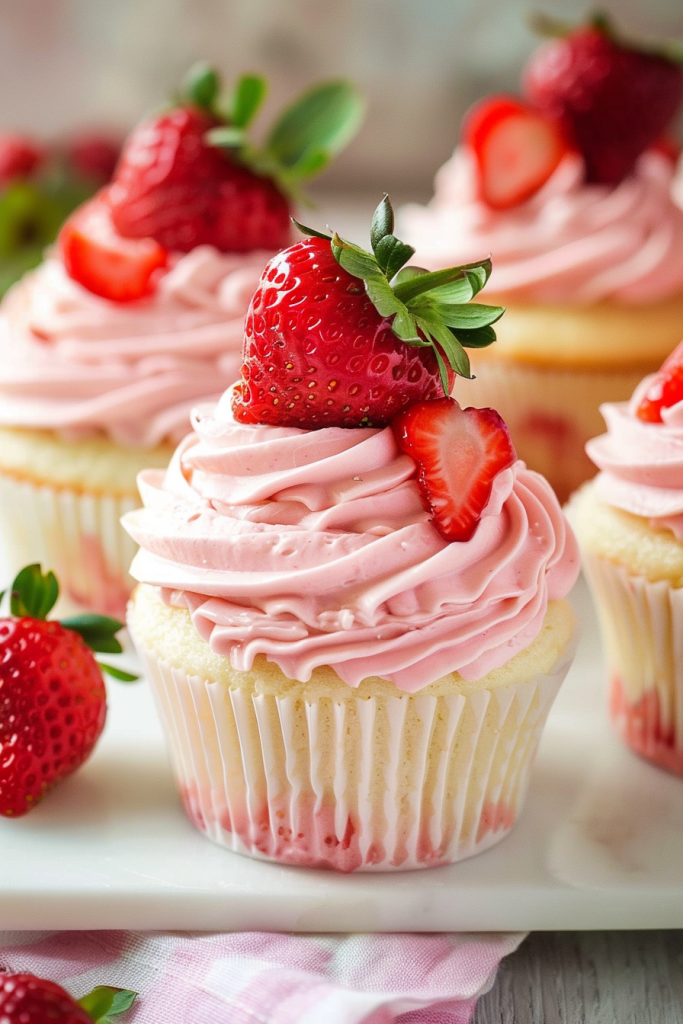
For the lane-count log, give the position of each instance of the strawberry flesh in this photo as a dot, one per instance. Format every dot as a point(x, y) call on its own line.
point(95, 255)
point(613, 100)
point(665, 390)
point(26, 999)
point(173, 186)
point(317, 353)
point(516, 150)
point(459, 453)
point(52, 709)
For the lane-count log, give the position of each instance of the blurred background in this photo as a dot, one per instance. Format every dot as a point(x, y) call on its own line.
point(69, 63)
point(77, 74)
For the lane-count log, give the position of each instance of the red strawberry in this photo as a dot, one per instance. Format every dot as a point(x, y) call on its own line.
point(27, 999)
point(173, 186)
point(459, 453)
point(52, 696)
point(317, 353)
point(95, 255)
point(93, 154)
point(19, 156)
point(337, 336)
point(613, 99)
point(665, 390)
point(515, 147)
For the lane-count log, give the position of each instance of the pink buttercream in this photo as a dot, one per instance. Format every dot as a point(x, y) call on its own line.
point(571, 242)
point(642, 463)
point(314, 548)
point(80, 364)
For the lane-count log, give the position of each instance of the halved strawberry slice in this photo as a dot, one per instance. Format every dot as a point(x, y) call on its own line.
point(459, 453)
point(665, 390)
point(95, 255)
point(515, 147)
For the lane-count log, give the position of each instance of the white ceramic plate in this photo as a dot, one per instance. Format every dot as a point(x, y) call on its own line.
point(599, 845)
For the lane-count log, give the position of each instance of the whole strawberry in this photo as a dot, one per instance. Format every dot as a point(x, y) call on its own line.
point(188, 176)
point(613, 99)
point(27, 999)
point(336, 336)
point(172, 185)
point(52, 695)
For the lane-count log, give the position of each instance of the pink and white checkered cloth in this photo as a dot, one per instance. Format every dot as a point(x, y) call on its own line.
point(263, 978)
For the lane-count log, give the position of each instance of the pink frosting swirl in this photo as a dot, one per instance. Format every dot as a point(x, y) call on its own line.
point(80, 364)
point(313, 548)
point(571, 242)
point(642, 463)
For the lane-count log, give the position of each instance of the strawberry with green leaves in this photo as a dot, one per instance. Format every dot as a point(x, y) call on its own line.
point(52, 694)
point(189, 176)
point(612, 96)
point(337, 336)
point(27, 999)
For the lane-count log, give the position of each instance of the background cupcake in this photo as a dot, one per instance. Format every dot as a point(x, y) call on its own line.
point(139, 315)
point(630, 525)
point(359, 628)
point(572, 195)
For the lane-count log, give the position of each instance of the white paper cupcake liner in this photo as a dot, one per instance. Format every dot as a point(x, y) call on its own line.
point(382, 783)
point(551, 412)
point(642, 626)
point(76, 534)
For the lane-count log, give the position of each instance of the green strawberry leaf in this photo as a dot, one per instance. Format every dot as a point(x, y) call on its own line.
point(404, 327)
point(382, 223)
point(202, 85)
point(247, 97)
point(407, 274)
point(98, 631)
point(325, 118)
point(33, 593)
point(426, 308)
point(462, 290)
point(392, 254)
point(312, 162)
point(355, 260)
point(105, 1002)
point(117, 673)
point(310, 231)
point(415, 286)
point(482, 337)
point(383, 298)
point(456, 314)
point(470, 317)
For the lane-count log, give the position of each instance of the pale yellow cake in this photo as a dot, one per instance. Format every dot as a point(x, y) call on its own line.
point(624, 539)
point(170, 634)
point(95, 465)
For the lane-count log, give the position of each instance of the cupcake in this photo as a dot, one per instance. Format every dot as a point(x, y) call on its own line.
point(629, 521)
point(138, 315)
point(572, 194)
point(351, 603)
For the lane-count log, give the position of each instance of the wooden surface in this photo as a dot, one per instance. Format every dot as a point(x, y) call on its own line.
point(589, 978)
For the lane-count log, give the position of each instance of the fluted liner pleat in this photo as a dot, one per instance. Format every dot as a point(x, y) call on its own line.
point(642, 624)
point(380, 783)
point(77, 534)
